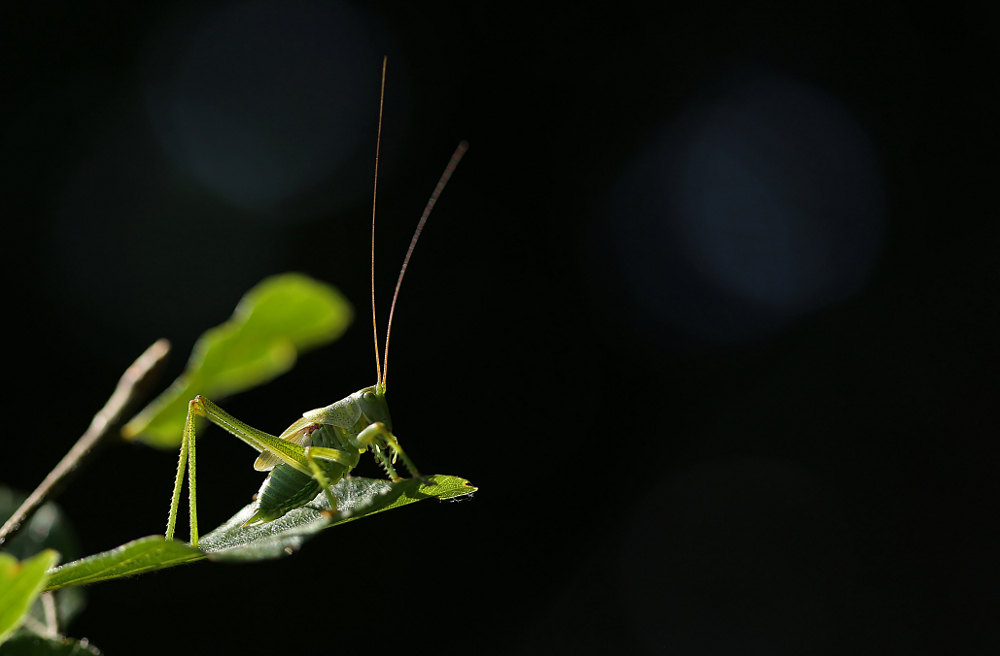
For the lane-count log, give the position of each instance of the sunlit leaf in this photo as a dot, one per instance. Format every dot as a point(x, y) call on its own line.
point(20, 584)
point(275, 321)
point(356, 498)
point(47, 529)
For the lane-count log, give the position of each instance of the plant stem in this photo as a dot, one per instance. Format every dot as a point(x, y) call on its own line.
point(132, 388)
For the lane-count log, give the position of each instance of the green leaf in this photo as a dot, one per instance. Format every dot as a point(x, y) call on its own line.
point(356, 498)
point(274, 322)
point(33, 645)
point(47, 529)
point(136, 557)
point(20, 584)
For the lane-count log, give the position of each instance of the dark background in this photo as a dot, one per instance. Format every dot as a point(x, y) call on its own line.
point(708, 312)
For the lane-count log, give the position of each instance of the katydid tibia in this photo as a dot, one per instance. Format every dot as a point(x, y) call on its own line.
point(325, 444)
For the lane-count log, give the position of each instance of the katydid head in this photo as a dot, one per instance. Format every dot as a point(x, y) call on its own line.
point(374, 406)
point(361, 409)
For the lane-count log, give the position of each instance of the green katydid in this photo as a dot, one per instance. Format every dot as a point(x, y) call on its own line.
point(325, 444)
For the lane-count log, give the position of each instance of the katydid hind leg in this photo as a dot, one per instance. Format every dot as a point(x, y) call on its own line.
point(186, 464)
point(182, 466)
point(288, 452)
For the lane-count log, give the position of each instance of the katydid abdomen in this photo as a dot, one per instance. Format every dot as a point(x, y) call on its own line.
point(287, 488)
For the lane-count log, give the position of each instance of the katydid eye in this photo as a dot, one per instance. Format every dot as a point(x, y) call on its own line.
point(368, 396)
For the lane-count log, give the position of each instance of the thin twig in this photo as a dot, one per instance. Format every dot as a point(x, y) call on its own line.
point(131, 390)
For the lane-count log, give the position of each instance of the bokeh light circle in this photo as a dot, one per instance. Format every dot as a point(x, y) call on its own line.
point(759, 203)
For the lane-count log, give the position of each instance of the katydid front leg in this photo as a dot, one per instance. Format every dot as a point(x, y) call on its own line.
point(377, 433)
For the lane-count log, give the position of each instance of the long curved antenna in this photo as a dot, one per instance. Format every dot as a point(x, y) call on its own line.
point(378, 142)
point(455, 158)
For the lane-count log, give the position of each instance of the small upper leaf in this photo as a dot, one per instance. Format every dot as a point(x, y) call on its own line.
point(275, 321)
